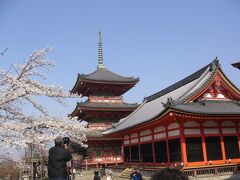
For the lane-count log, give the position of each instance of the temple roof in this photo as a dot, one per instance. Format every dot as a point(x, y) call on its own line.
point(179, 84)
point(210, 107)
point(177, 96)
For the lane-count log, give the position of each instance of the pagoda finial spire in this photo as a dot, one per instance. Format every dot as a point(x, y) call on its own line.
point(100, 51)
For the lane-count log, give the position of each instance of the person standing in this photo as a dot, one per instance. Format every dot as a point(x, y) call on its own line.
point(109, 176)
point(136, 175)
point(96, 175)
point(58, 157)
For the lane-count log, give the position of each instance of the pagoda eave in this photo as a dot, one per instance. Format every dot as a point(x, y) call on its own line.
point(81, 110)
point(131, 81)
point(76, 113)
point(83, 115)
point(82, 85)
point(106, 109)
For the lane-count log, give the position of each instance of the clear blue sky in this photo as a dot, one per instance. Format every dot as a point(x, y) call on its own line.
point(160, 42)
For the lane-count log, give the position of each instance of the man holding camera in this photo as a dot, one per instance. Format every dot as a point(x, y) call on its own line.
point(58, 157)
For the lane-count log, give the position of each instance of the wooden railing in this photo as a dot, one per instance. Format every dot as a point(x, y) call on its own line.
point(211, 171)
point(192, 173)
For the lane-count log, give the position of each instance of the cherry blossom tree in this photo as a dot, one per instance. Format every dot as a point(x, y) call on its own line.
point(21, 86)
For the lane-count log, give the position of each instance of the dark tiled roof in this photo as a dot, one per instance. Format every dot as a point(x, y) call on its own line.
point(111, 106)
point(103, 74)
point(105, 77)
point(107, 106)
point(178, 84)
point(209, 107)
point(97, 135)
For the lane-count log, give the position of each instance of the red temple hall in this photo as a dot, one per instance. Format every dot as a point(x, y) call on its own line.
point(103, 107)
point(192, 123)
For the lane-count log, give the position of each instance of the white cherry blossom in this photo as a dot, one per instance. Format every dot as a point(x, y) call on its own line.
point(18, 88)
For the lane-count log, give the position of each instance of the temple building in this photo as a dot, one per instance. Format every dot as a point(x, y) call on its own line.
point(103, 107)
point(193, 123)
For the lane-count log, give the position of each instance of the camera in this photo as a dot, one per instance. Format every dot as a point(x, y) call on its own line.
point(66, 140)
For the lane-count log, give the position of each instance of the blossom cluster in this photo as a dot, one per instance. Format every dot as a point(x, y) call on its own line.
point(20, 86)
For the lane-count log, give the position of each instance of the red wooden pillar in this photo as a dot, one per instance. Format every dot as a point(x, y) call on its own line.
point(168, 154)
point(223, 148)
point(203, 143)
point(222, 142)
point(122, 151)
point(238, 134)
point(153, 147)
point(130, 151)
point(239, 142)
point(183, 144)
point(139, 150)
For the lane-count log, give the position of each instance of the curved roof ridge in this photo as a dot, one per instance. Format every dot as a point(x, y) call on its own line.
point(118, 74)
point(202, 81)
point(80, 75)
point(180, 83)
point(233, 84)
point(215, 65)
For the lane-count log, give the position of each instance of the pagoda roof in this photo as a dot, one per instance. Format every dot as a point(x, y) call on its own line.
point(178, 96)
point(108, 106)
point(92, 106)
point(96, 134)
point(103, 76)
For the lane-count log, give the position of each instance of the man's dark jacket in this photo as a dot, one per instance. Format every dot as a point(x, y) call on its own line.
point(57, 161)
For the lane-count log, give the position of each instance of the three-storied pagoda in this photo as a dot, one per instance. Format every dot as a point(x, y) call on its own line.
point(194, 123)
point(103, 107)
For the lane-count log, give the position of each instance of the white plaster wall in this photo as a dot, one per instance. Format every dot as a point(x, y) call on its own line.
point(145, 138)
point(191, 124)
point(173, 125)
point(126, 142)
point(191, 131)
point(159, 128)
point(228, 130)
point(174, 133)
point(211, 131)
point(160, 135)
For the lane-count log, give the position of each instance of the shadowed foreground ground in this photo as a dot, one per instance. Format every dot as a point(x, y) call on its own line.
point(88, 175)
